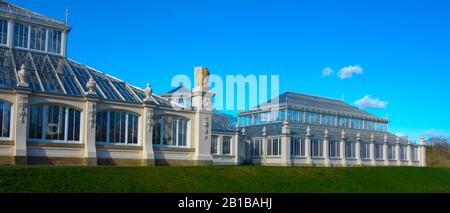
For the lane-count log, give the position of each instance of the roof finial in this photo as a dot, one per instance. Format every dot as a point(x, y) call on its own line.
point(67, 13)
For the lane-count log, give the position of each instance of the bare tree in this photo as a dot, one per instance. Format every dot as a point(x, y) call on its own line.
point(438, 151)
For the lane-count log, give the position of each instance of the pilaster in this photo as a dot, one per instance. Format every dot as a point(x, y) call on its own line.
point(326, 153)
point(342, 149)
point(21, 109)
point(422, 152)
point(358, 149)
point(408, 153)
point(89, 126)
point(397, 151)
point(286, 144)
point(372, 150)
point(148, 158)
point(9, 42)
point(385, 151)
point(308, 147)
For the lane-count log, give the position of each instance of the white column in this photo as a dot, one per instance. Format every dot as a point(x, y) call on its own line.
point(21, 110)
point(220, 145)
point(202, 103)
point(326, 153)
point(308, 147)
point(372, 150)
point(286, 144)
point(148, 158)
point(422, 152)
point(342, 152)
point(358, 151)
point(89, 125)
point(10, 33)
point(236, 147)
point(385, 153)
point(408, 153)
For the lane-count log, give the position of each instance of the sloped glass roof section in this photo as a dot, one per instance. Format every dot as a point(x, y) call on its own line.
point(54, 74)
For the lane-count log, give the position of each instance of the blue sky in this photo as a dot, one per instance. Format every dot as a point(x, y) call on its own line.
point(401, 47)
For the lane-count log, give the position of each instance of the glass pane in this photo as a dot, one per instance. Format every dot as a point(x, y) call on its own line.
point(66, 76)
point(46, 74)
point(125, 92)
point(23, 58)
point(8, 77)
point(104, 84)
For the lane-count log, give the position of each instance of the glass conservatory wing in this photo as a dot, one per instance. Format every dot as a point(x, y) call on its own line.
point(125, 92)
point(104, 85)
point(67, 78)
point(23, 58)
point(46, 73)
point(8, 78)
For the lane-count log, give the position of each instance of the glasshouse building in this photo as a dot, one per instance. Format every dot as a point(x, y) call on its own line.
point(56, 111)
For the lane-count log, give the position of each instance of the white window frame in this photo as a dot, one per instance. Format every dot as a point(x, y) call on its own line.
point(108, 142)
point(319, 146)
point(271, 143)
point(217, 144)
point(161, 132)
point(257, 146)
point(230, 145)
point(352, 150)
point(337, 149)
point(301, 144)
point(66, 126)
point(11, 116)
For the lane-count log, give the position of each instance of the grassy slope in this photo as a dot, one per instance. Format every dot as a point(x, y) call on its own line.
point(222, 179)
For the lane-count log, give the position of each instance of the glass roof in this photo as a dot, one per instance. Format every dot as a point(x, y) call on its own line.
point(57, 75)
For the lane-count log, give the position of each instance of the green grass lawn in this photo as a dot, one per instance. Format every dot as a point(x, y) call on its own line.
point(223, 179)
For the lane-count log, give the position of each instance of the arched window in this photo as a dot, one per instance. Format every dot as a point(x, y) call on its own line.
point(54, 123)
point(117, 127)
point(5, 120)
point(170, 131)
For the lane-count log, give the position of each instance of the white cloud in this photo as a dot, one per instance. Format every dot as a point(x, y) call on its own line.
point(434, 133)
point(347, 72)
point(368, 102)
point(327, 72)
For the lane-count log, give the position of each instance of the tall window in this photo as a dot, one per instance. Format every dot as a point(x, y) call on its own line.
point(334, 149)
point(273, 147)
point(5, 120)
point(316, 148)
point(3, 31)
point(117, 127)
point(415, 154)
point(357, 123)
point(170, 131)
point(369, 125)
point(365, 151)
point(403, 153)
point(343, 122)
point(312, 118)
point(391, 152)
point(20, 35)
point(350, 150)
point(54, 41)
point(38, 37)
point(226, 144)
point(296, 116)
point(214, 141)
point(256, 148)
point(378, 151)
point(329, 120)
point(54, 123)
point(297, 147)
